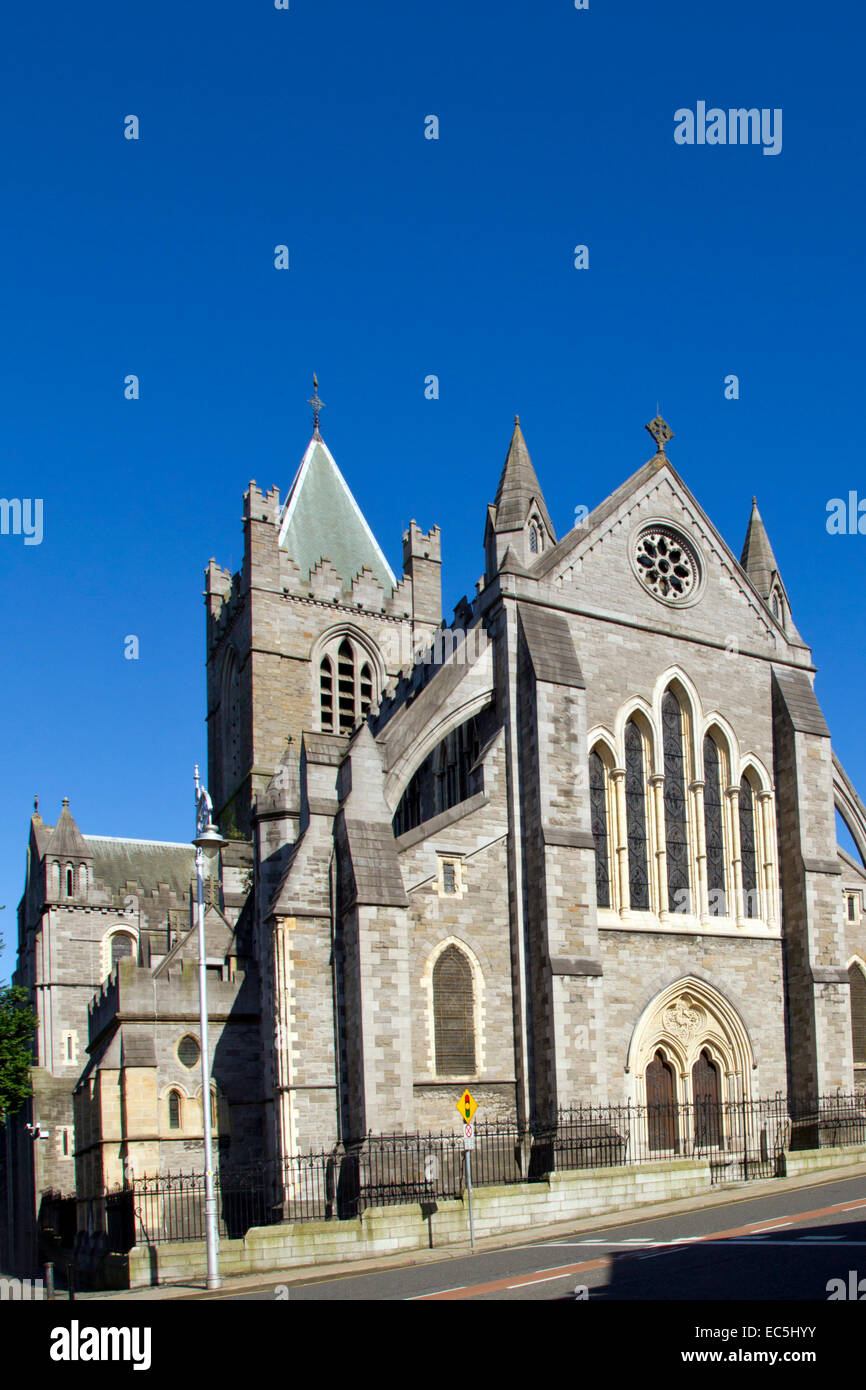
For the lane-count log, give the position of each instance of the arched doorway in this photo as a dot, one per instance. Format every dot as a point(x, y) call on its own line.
point(707, 1098)
point(661, 1098)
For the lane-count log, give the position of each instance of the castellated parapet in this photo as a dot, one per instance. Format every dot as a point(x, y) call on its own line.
point(127, 996)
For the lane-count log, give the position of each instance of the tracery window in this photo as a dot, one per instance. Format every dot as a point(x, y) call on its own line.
point(858, 1012)
point(598, 812)
point(714, 832)
point(346, 687)
point(635, 805)
point(453, 1014)
point(749, 864)
point(676, 822)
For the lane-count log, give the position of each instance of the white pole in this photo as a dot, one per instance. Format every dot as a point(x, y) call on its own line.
point(468, 1158)
point(210, 1211)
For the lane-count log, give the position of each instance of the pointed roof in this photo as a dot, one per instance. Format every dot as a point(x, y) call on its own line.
point(757, 558)
point(67, 841)
point(322, 520)
point(519, 488)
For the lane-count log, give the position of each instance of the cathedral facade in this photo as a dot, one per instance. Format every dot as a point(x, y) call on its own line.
point(578, 845)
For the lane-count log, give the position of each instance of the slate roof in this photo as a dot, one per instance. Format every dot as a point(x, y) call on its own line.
point(551, 646)
point(518, 489)
point(322, 520)
point(801, 702)
point(145, 862)
point(66, 840)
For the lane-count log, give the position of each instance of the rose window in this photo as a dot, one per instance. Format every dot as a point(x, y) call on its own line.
point(667, 564)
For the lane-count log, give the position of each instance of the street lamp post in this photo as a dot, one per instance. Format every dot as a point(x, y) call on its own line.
point(208, 842)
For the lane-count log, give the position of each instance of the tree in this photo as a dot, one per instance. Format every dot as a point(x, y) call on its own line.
point(17, 1026)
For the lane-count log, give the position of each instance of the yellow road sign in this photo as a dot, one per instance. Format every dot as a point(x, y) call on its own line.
point(466, 1107)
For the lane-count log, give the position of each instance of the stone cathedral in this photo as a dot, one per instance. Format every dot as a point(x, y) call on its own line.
point(579, 845)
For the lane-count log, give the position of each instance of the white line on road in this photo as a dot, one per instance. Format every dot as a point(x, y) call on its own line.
point(546, 1280)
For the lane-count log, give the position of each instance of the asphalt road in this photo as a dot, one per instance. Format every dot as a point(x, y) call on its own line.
point(785, 1246)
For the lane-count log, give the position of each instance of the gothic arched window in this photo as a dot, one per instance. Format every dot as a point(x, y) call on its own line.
point(858, 1012)
point(231, 714)
point(344, 701)
point(598, 812)
point(533, 539)
point(676, 821)
point(749, 862)
point(121, 947)
point(326, 694)
point(69, 888)
point(635, 806)
point(174, 1109)
point(713, 828)
point(453, 1014)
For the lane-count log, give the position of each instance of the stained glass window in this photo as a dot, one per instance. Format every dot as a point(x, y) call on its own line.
point(747, 850)
point(713, 822)
point(598, 810)
point(635, 806)
point(676, 827)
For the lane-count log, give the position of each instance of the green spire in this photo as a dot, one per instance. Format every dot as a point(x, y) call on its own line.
point(322, 520)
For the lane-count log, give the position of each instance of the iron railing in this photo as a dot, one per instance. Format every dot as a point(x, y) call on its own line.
point(738, 1140)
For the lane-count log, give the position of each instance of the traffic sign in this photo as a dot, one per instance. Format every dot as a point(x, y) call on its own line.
point(469, 1136)
point(466, 1107)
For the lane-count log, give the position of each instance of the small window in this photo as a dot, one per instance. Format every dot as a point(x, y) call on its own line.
point(121, 947)
point(64, 1142)
point(533, 540)
point(449, 876)
point(70, 1048)
point(188, 1051)
point(174, 1110)
point(852, 907)
point(69, 883)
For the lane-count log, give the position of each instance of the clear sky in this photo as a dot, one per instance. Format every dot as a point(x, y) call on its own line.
point(407, 257)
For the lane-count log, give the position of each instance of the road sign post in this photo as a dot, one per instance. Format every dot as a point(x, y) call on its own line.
point(466, 1107)
point(468, 1146)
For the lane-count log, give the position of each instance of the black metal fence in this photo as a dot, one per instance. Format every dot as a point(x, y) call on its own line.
point(738, 1140)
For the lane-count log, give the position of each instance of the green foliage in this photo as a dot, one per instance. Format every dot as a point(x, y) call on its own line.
point(17, 1026)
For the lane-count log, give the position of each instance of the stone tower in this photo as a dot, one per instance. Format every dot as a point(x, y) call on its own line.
point(308, 633)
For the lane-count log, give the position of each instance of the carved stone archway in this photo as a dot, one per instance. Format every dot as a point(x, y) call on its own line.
point(690, 1021)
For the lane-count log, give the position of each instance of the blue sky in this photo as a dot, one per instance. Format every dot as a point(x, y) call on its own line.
point(408, 257)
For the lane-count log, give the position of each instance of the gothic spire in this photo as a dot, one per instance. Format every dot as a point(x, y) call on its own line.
point(519, 488)
point(758, 559)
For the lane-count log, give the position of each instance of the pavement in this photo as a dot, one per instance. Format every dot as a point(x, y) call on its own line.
point(724, 1194)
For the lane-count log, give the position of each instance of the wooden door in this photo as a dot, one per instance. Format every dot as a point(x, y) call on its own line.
point(706, 1091)
point(661, 1105)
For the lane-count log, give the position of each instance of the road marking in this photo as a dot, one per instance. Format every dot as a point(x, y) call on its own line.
point(774, 1228)
point(546, 1280)
point(734, 1237)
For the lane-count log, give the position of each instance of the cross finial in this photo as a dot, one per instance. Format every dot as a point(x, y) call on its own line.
point(660, 431)
point(317, 406)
